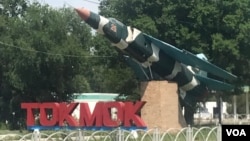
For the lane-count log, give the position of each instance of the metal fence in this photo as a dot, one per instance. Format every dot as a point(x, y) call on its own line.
point(185, 134)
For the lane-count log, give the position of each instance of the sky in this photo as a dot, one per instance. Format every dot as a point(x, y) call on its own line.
point(90, 4)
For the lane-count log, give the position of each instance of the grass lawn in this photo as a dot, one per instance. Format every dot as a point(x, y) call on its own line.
point(4, 132)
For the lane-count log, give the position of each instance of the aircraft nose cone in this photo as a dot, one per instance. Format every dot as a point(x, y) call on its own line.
point(83, 13)
point(91, 18)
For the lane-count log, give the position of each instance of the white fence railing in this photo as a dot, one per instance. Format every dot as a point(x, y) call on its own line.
point(185, 134)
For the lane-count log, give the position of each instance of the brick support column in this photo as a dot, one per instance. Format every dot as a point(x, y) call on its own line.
point(162, 109)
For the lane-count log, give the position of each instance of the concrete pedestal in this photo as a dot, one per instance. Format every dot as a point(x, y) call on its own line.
point(162, 109)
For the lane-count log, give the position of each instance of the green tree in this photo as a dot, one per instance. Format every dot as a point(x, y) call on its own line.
point(52, 45)
point(44, 57)
point(13, 8)
point(109, 72)
point(9, 10)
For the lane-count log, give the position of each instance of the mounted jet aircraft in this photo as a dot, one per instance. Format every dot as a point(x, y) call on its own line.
point(153, 59)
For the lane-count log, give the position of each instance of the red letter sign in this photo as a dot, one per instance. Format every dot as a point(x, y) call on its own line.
point(108, 114)
point(107, 120)
point(88, 119)
point(131, 111)
point(30, 121)
point(65, 112)
point(44, 119)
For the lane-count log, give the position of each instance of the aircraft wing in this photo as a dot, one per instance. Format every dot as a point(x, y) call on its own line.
point(213, 84)
point(188, 58)
point(144, 74)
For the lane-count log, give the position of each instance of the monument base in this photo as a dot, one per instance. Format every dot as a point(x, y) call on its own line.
point(162, 109)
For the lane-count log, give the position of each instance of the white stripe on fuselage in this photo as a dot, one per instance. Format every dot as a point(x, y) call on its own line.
point(121, 45)
point(190, 85)
point(153, 58)
point(103, 21)
point(175, 71)
point(132, 34)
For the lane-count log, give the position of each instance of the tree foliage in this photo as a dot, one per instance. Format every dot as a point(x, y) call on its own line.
point(110, 73)
point(44, 55)
point(13, 8)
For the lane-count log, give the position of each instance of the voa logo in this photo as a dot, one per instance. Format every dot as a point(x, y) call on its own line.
point(236, 132)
